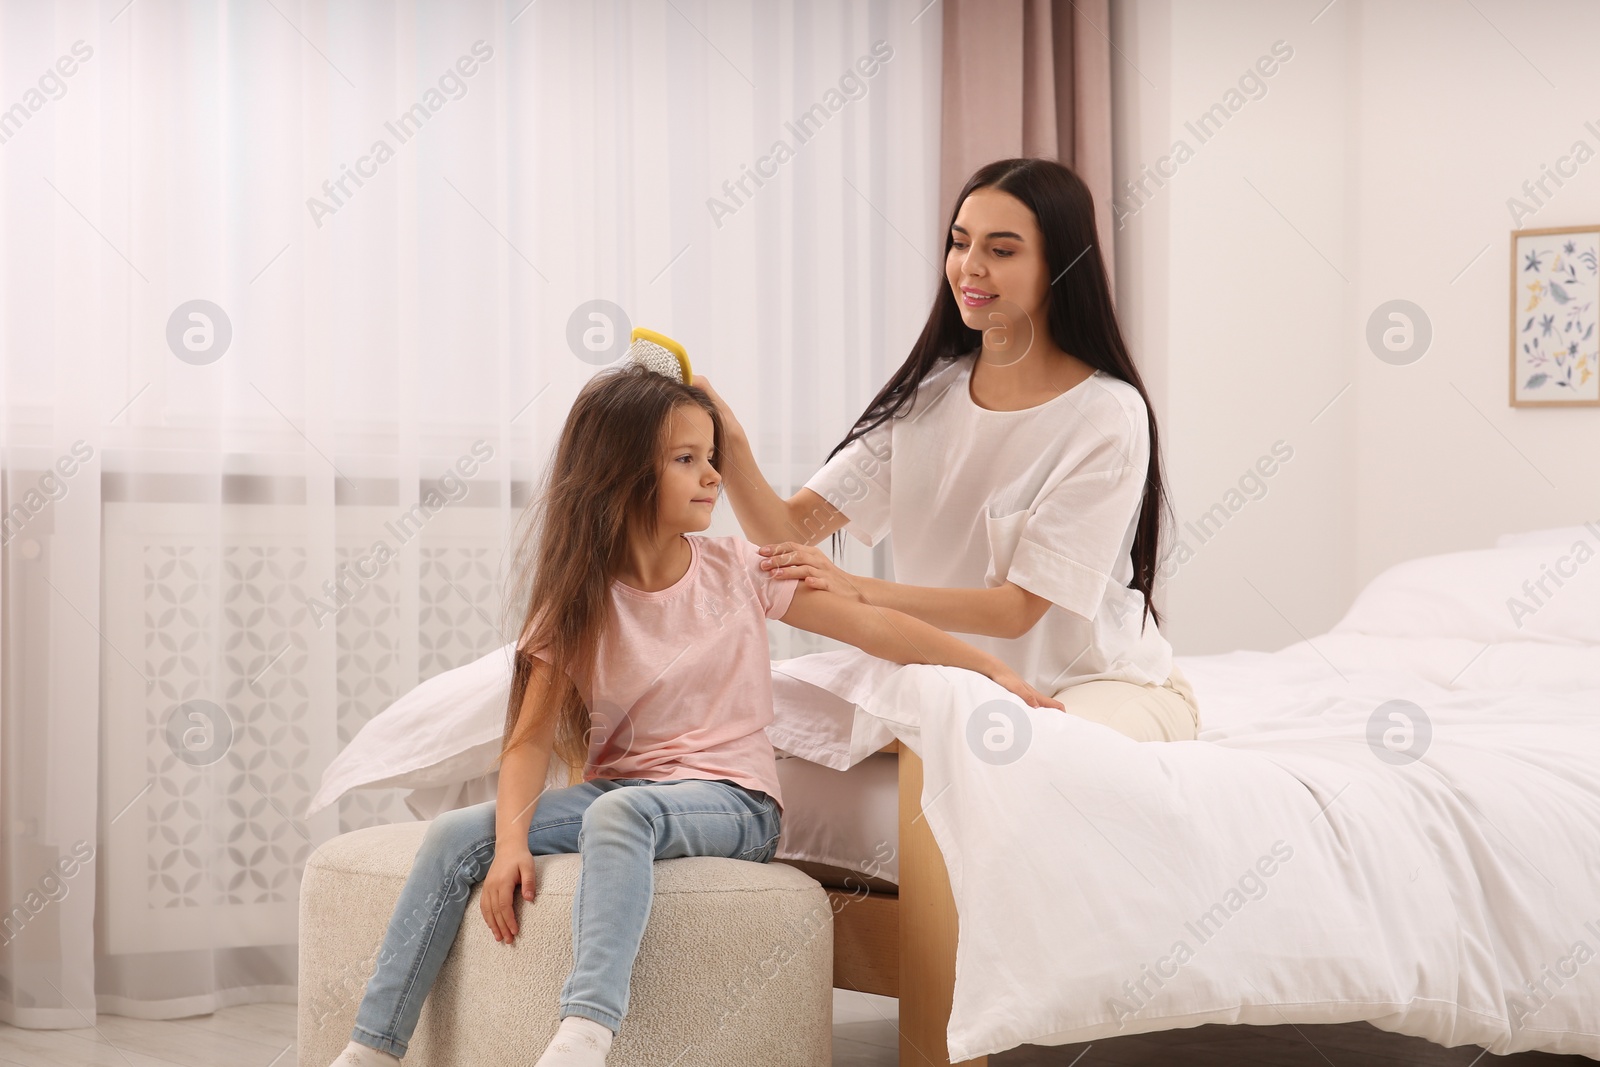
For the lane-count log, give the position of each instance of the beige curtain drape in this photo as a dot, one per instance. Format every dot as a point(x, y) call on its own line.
point(1028, 78)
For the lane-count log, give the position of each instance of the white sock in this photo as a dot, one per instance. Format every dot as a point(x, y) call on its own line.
point(579, 1042)
point(356, 1054)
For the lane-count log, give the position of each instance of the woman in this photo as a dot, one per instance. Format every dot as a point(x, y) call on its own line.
point(1015, 459)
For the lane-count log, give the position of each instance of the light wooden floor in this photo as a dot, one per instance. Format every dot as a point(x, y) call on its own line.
point(864, 1035)
point(262, 1035)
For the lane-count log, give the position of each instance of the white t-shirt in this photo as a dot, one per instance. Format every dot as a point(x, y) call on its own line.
point(1047, 498)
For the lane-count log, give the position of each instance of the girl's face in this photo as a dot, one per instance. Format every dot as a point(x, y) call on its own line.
point(996, 264)
point(689, 483)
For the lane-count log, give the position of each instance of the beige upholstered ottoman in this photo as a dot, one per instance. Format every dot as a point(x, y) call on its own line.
point(736, 966)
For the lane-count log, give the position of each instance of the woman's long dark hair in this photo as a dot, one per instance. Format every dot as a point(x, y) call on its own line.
point(1082, 322)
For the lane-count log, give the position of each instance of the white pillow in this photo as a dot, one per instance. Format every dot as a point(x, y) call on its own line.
point(1531, 593)
point(817, 703)
point(444, 732)
point(1563, 536)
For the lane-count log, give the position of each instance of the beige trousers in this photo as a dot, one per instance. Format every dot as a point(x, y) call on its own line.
point(1167, 712)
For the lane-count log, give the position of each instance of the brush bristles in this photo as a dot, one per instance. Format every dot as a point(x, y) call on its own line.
point(653, 356)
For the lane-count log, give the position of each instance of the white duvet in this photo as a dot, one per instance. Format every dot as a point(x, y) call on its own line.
point(1279, 869)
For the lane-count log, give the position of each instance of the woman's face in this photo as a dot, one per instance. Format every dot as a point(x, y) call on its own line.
point(996, 264)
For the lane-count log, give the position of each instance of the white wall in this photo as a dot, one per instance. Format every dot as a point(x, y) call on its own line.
point(1375, 164)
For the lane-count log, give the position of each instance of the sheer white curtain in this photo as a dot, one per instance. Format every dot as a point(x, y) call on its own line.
point(295, 296)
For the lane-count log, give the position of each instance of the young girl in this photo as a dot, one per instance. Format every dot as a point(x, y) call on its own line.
point(643, 662)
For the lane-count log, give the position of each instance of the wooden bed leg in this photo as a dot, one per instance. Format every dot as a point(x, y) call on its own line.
point(927, 931)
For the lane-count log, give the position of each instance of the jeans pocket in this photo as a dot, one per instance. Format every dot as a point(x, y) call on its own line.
point(761, 853)
point(768, 825)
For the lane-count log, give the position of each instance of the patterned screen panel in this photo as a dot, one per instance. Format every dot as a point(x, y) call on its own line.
point(238, 667)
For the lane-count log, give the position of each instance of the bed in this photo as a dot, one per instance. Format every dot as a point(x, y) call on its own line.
point(893, 938)
point(1394, 821)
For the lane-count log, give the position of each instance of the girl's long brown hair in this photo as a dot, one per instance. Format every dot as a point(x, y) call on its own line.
point(601, 485)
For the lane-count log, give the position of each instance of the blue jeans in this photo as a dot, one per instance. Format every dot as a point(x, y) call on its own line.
point(621, 827)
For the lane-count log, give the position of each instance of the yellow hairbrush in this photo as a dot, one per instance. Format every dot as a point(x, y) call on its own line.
point(660, 353)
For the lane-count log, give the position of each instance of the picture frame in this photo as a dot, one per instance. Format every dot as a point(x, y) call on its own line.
point(1555, 304)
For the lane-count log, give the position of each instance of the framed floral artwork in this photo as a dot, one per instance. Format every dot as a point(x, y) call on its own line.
point(1555, 346)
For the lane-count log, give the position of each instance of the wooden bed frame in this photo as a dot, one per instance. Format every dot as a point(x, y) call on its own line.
point(904, 945)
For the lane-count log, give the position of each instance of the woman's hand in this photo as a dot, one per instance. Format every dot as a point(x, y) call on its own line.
point(1013, 681)
point(730, 424)
point(511, 866)
point(790, 559)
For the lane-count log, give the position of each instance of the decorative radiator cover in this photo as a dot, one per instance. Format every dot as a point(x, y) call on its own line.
point(214, 611)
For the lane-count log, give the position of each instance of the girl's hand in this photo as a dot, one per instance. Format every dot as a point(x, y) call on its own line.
point(730, 424)
point(1030, 696)
point(511, 866)
point(790, 559)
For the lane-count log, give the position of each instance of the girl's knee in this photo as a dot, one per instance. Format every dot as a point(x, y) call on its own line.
point(459, 831)
point(457, 821)
point(614, 809)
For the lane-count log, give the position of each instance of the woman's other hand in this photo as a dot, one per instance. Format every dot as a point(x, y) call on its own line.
point(1030, 696)
point(790, 559)
point(511, 867)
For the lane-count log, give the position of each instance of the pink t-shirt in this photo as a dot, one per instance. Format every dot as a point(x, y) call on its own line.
point(685, 675)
